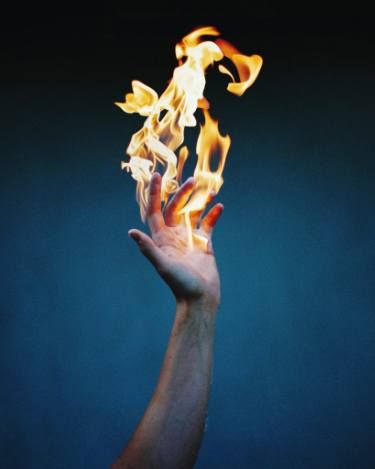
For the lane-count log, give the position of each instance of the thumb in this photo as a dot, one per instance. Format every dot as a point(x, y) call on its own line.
point(148, 248)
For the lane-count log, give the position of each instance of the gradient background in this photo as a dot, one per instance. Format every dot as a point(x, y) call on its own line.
point(85, 320)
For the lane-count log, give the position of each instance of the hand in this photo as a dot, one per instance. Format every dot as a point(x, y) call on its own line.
point(191, 272)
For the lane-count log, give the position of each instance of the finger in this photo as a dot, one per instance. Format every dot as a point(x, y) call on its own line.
point(209, 221)
point(148, 249)
point(154, 216)
point(178, 201)
point(196, 216)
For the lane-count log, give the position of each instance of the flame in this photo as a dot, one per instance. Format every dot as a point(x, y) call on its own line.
point(156, 144)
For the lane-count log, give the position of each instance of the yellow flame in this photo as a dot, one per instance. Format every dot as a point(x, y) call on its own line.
point(162, 134)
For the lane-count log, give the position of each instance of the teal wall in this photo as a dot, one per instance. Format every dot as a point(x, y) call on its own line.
point(85, 320)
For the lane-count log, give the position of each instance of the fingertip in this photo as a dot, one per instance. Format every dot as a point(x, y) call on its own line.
point(190, 181)
point(154, 181)
point(210, 197)
point(134, 234)
point(210, 220)
point(218, 209)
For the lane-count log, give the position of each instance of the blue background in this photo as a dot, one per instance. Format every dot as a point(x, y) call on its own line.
point(84, 318)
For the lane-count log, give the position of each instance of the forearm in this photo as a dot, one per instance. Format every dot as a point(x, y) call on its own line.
point(170, 432)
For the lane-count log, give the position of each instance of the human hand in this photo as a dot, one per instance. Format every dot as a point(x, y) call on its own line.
point(191, 272)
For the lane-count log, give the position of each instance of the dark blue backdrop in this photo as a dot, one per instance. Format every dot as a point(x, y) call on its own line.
point(85, 320)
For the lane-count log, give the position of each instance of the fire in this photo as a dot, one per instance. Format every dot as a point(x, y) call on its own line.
point(158, 145)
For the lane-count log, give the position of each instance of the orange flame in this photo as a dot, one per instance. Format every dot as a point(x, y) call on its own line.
point(161, 136)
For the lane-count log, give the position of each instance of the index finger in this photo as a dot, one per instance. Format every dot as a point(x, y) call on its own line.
point(154, 216)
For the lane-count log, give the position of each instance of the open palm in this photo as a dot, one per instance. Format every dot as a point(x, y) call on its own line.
point(191, 272)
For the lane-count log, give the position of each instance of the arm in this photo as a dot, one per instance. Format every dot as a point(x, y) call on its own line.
point(170, 432)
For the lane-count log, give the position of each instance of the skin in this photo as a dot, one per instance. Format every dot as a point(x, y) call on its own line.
point(170, 432)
